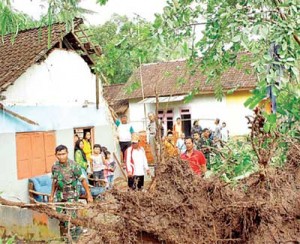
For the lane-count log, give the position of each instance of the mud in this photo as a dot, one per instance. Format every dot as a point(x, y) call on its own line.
point(181, 207)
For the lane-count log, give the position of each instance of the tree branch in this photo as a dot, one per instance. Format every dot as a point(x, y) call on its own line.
point(284, 17)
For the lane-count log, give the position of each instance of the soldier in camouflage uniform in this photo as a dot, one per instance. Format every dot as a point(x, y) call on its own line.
point(206, 145)
point(66, 175)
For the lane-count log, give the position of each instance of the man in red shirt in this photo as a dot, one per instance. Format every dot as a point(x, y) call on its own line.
point(195, 158)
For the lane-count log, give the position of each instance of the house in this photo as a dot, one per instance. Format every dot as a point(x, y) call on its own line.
point(110, 93)
point(48, 93)
point(172, 83)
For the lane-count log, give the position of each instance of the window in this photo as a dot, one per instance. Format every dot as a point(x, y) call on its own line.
point(35, 153)
point(185, 116)
point(167, 119)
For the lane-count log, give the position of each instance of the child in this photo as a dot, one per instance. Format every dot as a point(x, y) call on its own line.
point(98, 161)
point(111, 166)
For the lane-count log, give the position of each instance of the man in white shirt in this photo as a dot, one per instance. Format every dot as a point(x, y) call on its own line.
point(136, 164)
point(124, 133)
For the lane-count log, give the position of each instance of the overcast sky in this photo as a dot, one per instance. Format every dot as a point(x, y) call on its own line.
point(144, 8)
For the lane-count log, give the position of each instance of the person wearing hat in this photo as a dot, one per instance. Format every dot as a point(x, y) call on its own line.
point(136, 164)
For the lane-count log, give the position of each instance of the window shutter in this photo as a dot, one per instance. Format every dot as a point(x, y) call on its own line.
point(24, 155)
point(50, 144)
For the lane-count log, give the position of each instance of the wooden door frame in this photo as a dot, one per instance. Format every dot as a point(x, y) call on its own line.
point(91, 128)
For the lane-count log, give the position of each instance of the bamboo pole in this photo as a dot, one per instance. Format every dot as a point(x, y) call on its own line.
point(121, 167)
point(97, 91)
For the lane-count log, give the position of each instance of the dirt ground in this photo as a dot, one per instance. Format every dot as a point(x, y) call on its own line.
point(180, 207)
point(183, 208)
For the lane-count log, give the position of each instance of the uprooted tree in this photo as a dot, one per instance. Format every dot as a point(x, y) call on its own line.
point(185, 208)
point(181, 208)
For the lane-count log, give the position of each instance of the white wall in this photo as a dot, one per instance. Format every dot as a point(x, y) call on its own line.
point(66, 137)
point(203, 107)
point(237, 123)
point(10, 187)
point(236, 117)
point(62, 80)
point(207, 109)
point(64, 77)
point(137, 114)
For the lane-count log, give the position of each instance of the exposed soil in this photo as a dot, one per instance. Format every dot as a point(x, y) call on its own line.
point(183, 208)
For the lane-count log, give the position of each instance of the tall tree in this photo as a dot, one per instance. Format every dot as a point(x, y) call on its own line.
point(126, 44)
point(267, 30)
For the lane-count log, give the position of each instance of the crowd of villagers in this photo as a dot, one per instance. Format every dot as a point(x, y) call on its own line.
point(97, 163)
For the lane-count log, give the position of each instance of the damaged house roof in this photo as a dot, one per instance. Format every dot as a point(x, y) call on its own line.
point(18, 53)
point(173, 78)
point(110, 93)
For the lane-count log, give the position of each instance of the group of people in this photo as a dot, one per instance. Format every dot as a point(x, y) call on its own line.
point(97, 162)
point(204, 140)
point(195, 149)
point(133, 155)
point(68, 176)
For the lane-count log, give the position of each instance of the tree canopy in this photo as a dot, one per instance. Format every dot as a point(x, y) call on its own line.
point(267, 30)
point(126, 44)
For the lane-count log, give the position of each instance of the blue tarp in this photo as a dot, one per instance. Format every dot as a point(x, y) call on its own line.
point(51, 118)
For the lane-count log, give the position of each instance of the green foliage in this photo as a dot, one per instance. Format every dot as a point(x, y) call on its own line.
point(126, 43)
point(238, 159)
point(11, 22)
point(232, 27)
point(9, 240)
point(102, 2)
point(64, 11)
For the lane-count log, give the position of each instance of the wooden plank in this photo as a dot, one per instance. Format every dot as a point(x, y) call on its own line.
point(24, 155)
point(97, 91)
point(50, 143)
point(18, 116)
point(37, 164)
point(121, 167)
point(83, 48)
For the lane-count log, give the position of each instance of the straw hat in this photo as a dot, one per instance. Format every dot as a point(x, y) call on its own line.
point(135, 137)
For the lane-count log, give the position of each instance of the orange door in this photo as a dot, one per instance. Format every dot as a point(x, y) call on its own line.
point(50, 143)
point(38, 164)
point(24, 152)
point(35, 153)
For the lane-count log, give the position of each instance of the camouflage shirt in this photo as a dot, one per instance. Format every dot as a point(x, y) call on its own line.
point(67, 177)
